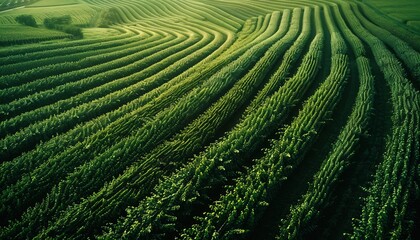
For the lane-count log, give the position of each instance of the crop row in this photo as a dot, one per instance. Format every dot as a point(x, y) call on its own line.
point(22, 39)
point(102, 85)
point(404, 51)
point(391, 25)
point(163, 126)
point(55, 58)
point(289, 59)
point(385, 209)
point(58, 124)
point(179, 194)
point(189, 141)
point(56, 78)
point(100, 162)
point(131, 11)
point(152, 133)
point(41, 105)
point(29, 161)
point(305, 213)
point(50, 76)
point(104, 80)
point(236, 212)
point(54, 70)
point(23, 50)
point(48, 53)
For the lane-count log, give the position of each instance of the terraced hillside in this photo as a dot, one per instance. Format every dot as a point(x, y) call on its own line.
point(203, 119)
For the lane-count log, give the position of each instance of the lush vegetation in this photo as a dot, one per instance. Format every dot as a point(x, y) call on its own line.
point(20, 34)
point(63, 23)
point(208, 120)
point(80, 12)
point(27, 20)
point(405, 12)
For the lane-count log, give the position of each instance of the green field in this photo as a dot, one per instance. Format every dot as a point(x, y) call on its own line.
point(98, 33)
point(17, 34)
point(81, 13)
point(404, 11)
point(49, 3)
point(210, 119)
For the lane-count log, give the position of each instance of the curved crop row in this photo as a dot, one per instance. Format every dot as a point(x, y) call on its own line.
point(20, 185)
point(57, 51)
point(58, 74)
point(85, 78)
point(237, 211)
point(186, 143)
point(180, 85)
point(163, 124)
point(204, 119)
point(386, 204)
point(52, 57)
point(104, 79)
point(28, 137)
point(391, 25)
point(408, 55)
point(176, 195)
point(23, 50)
point(290, 57)
point(33, 36)
point(314, 200)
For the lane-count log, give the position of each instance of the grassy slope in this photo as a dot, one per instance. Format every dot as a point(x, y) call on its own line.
point(81, 13)
point(93, 33)
point(44, 3)
point(18, 34)
point(21, 32)
point(404, 11)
